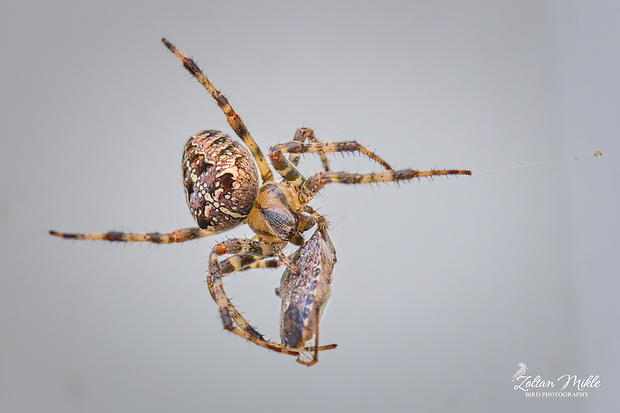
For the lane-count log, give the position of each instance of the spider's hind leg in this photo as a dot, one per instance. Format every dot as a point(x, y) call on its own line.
point(180, 235)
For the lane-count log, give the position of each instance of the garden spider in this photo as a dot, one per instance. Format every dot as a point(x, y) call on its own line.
point(223, 191)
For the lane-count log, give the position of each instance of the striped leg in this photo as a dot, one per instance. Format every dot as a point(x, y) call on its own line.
point(315, 183)
point(180, 235)
point(244, 262)
point(302, 135)
point(290, 173)
point(233, 118)
point(231, 318)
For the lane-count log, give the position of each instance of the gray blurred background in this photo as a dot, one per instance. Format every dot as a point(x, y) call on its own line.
point(441, 287)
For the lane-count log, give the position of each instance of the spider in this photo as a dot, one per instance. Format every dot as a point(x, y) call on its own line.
point(225, 189)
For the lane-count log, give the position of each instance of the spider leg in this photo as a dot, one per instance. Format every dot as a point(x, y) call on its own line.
point(302, 135)
point(231, 318)
point(291, 174)
point(243, 262)
point(315, 183)
point(180, 235)
point(234, 120)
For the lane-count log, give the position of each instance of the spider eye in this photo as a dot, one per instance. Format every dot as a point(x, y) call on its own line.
point(221, 181)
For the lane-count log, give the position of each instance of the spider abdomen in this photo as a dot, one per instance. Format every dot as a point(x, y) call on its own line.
point(220, 180)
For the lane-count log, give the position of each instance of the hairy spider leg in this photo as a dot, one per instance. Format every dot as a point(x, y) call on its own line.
point(234, 120)
point(315, 183)
point(179, 235)
point(241, 248)
point(303, 135)
point(243, 262)
point(232, 320)
point(292, 175)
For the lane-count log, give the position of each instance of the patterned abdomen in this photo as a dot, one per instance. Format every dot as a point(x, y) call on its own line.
point(220, 180)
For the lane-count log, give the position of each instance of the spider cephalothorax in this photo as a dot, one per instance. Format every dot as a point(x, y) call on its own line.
point(223, 189)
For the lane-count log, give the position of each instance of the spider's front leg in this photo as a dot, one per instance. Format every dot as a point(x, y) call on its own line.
point(315, 183)
point(287, 167)
point(234, 120)
point(309, 187)
point(302, 135)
